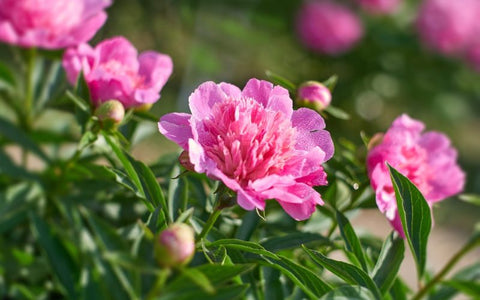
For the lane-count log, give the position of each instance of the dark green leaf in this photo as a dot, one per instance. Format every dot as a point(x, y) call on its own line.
point(81, 89)
point(273, 286)
point(224, 293)
point(249, 223)
point(352, 243)
point(280, 80)
point(470, 198)
point(199, 279)
point(250, 247)
point(469, 287)
point(337, 112)
point(331, 82)
point(145, 115)
point(347, 292)
point(388, 262)
point(415, 215)
point(79, 102)
point(9, 168)
point(50, 84)
point(293, 240)
point(399, 290)
point(177, 193)
point(14, 134)
point(60, 259)
point(470, 273)
point(347, 272)
point(6, 76)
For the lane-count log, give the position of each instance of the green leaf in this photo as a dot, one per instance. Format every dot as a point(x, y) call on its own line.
point(250, 247)
point(415, 215)
point(388, 262)
point(177, 193)
point(467, 287)
point(311, 281)
point(280, 80)
point(6, 76)
point(399, 290)
point(249, 223)
point(470, 273)
point(347, 272)
point(331, 82)
point(337, 112)
point(470, 198)
point(79, 102)
point(60, 259)
point(146, 116)
point(293, 240)
point(347, 292)
point(50, 84)
point(273, 286)
point(14, 134)
point(81, 89)
point(352, 243)
point(224, 293)
point(199, 279)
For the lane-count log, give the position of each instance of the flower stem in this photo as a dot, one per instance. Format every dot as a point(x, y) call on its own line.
point(468, 247)
point(209, 224)
point(29, 86)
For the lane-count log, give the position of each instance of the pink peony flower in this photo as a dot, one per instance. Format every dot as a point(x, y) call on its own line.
point(114, 70)
point(314, 95)
point(328, 27)
point(379, 6)
point(50, 24)
point(448, 26)
point(255, 143)
point(427, 159)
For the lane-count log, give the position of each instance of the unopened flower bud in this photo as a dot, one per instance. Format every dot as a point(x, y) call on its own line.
point(314, 95)
point(184, 160)
point(110, 113)
point(175, 246)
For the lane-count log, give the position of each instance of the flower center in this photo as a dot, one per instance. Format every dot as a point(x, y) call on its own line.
point(246, 140)
point(117, 68)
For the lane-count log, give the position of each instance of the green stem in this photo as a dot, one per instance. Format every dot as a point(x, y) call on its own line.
point(468, 247)
point(29, 86)
point(209, 224)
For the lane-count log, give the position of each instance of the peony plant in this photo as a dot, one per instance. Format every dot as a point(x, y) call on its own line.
point(257, 198)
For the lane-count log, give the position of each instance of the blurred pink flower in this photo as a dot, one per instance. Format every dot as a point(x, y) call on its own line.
point(255, 143)
point(379, 6)
point(114, 70)
point(50, 24)
point(314, 95)
point(448, 26)
point(473, 54)
point(328, 27)
point(427, 159)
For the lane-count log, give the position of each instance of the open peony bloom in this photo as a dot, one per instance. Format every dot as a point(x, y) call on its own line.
point(328, 27)
point(255, 143)
point(379, 6)
point(114, 70)
point(427, 159)
point(448, 26)
point(50, 24)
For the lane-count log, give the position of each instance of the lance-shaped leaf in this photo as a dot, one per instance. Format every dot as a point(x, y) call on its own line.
point(415, 215)
point(352, 243)
point(388, 262)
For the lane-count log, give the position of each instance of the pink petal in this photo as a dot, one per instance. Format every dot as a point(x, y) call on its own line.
point(86, 31)
point(249, 202)
point(176, 127)
point(7, 32)
point(76, 60)
point(279, 100)
point(118, 49)
point(92, 7)
point(204, 97)
point(259, 90)
point(302, 211)
point(155, 68)
point(310, 133)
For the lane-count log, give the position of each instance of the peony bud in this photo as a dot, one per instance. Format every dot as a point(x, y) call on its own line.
point(314, 95)
point(110, 114)
point(175, 246)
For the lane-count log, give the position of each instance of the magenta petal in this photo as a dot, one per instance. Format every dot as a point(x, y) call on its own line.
point(76, 60)
point(88, 29)
point(279, 100)
point(118, 49)
point(230, 90)
point(299, 211)
point(310, 125)
point(7, 32)
point(155, 68)
point(204, 97)
point(259, 90)
point(249, 202)
point(92, 7)
point(176, 127)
